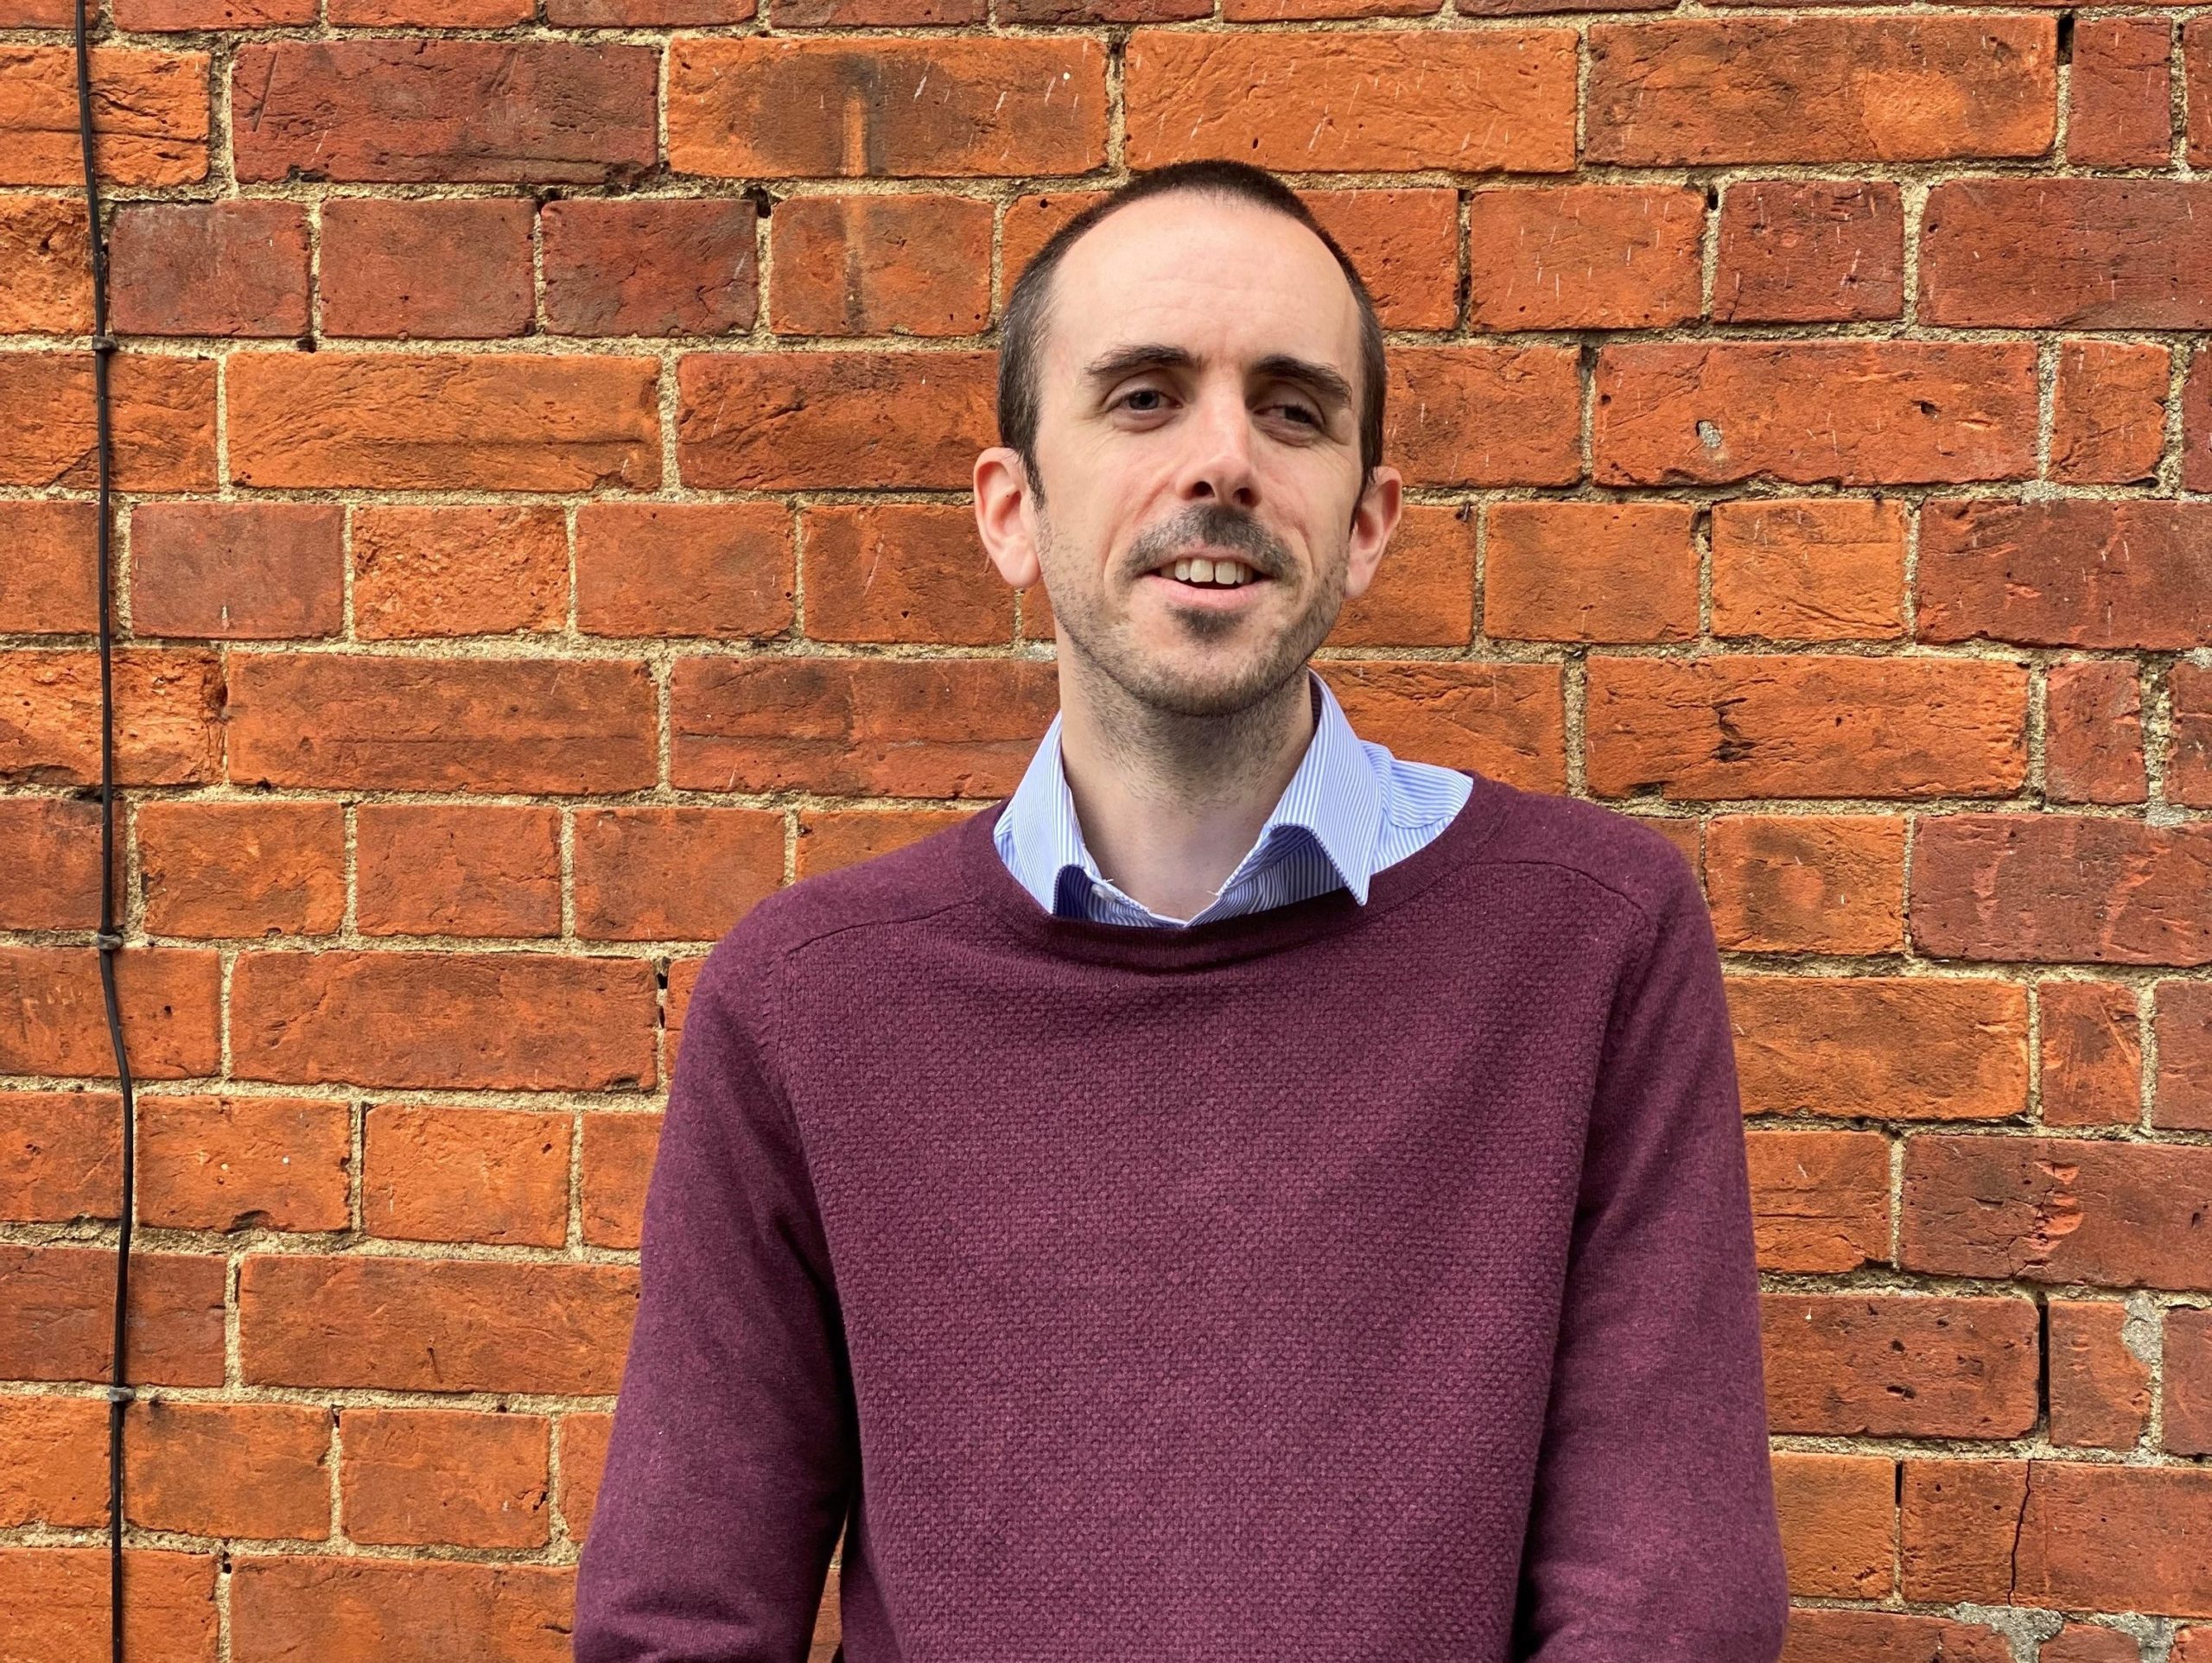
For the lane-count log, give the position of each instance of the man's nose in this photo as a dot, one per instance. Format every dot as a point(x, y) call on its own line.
point(1220, 462)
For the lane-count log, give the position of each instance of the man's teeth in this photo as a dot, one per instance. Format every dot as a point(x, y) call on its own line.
point(1200, 569)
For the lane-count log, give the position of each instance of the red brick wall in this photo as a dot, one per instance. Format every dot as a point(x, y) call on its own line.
point(543, 440)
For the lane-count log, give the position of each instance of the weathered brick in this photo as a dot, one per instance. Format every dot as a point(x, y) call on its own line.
point(431, 1173)
point(2099, 1390)
point(2188, 766)
point(1846, 412)
point(880, 265)
point(1485, 415)
point(57, 1315)
point(54, 1603)
point(457, 269)
point(433, 1325)
point(936, 107)
point(448, 571)
point(159, 15)
point(225, 869)
point(45, 274)
point(237, 571)
point(673, 873)
point(830, 838)
point(1839, 1522)
point(2076, 571)
point(1820, 1200)
point(583, 1456)
point(360, 1609)
point(618, 1160)
point(650, 266)
point(429, 14)
point(525, 111)
point(2063, 889)
point(1959, 1520)
point(1423, 594)
point(228, 268)
point(51, 878)
point(58, 1015)
point(1912, 1048)
point(1380, 101)
point(1584, 257)
point(716, 569)
point(2188, 1375)
point(902, 571)
point(803, 421)
point(2108, 412)
point(1912, 88)
point(251, 1469)
point(49, 584)
point(1591, 571)
point(444, 421)
point(242, 1163)
point(2088, 1642)
point(2092, 1054)
point(876, 13)
point(2183, 1028)
point(2098, 1536)
point(491, 1021)
point(1507, 721)
point(2092, 732)
point(412, 1477)
point(2067, 253)
point(1816, 569)
point(162, 406)
point(61, 1159)
point(1886, 1365)
point(1810, 250)
point(166, 709)
point(2119, 93)
point(1771, 725)
point(646, 14)
point(1794, 883)
point(150, 115)
point(52, 1462)
point(431, 869)
point(2197, 85)
point(1405, 244)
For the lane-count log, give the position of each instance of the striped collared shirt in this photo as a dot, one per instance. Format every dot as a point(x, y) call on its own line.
point(1350, 809)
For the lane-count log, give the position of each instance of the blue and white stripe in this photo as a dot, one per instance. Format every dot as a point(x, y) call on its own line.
point(1350, 809)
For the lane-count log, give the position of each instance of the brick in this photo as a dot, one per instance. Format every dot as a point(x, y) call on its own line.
point(1485, 415)
point(2099, 1390)
point(2063, 889)
point(444, 422)
point(1585, 256)
point(431, 1173)
point(880, 265)
point(167, 705)
point(1031, 219)
point(1806, 412)
point(515, 111)
point(1907, 1048)
point(57, 1315)
point(50, 583)
point(164, 411)
point(2119, 93)
point(2092, 732)
point(360, 1609)
point(2080, 572)
point(2197, 422)
point(52, 880)
point(251, 1469)
point(35, 13)
point(1405, 243)
point(902, 571)
point(433, 1325)
point(159, 15)
point(683, 977)
point(646, 14)
point(2086, 1643)
point(830, 838)
point(458, 268)
point(2092, 1054)
point(1423, 594)
point(52, 1461)
point(583, 1458)
point(237, 571)
point(244, 1162)
point(1810, 250)
point(1591, 571)
point(1839, 1519)
point(1816, 569)
point(857, 727)
point(228, 268)
point(2183, 1028)
point(453, 1021)
point(46, 282)
point(618, 1161)
point(2188, 768)
point(805, 421)
point(673, 873)
point(1372, 101)
point(1960, 1520)
point(452, 571)
point(217, 870)
point(150, 115)
point(2188, 1375)
point(1506, 720)
point(2098, 1536)
point(60, 1159)
point(1820, 1200)
point(417, 1477)
point(673, 569)
point(1794, 883)
point(1687, 92)
point(2057, 1210)
point(1774, 724)
point(58, 1014)
point(2108, 413)
point(467, 725)
point(876, 13)
point(649, 266)
point(54, 1603)
point(1100, 11)
point(1884, 1365)
point(431, 869)
point(429, 14)
point(2196, 79)
point(2067, 253)
point(1841, 1634)
point(941, 107)
point(1247, 11)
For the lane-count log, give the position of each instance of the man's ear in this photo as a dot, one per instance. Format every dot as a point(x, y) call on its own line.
point(1001, 516)
point(1372, 522)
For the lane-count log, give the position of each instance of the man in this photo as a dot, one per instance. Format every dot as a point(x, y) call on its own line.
point(1244, 1196)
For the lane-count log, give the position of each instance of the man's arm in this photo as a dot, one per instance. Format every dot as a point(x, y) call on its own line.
point(734, 1448)
point(1652, 1533)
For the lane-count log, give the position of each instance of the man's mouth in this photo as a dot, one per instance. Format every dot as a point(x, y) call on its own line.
point(1203, 572)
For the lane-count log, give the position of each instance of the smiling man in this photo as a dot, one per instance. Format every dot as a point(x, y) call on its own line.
point(1244, 1196)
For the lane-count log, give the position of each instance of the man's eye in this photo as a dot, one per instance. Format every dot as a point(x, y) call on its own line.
point(1301, 410)
point(1140, 393)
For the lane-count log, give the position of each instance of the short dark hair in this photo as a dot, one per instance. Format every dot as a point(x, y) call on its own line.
point(1022, 331)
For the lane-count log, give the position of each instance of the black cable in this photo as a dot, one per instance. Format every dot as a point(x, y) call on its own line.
point(109, 940)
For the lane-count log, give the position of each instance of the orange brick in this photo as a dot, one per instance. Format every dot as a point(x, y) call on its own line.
point(1806, 883)
point(237, 571)
point(876, 13)
point(2092, 732)
point(45, 274)
point(2119, 93)
point(803, 420)
point(2092, 1054)
point(1817, 569)
point(2197, 77)
point(163, 409)
point(1485, 415)
point(229, 268)
point(53, 1461)
point(54, 1603)
point(150, 115)
point(52, 880)
point(714, 570)
point(2077, 253)
point(225, 869)
point(618, 1160)
point(830, 838)
point(2108, 415)
point(902, 571)
point(1423, 594)
point(166, 709)
point(429, 14)
point(57, 1316)
point(2188, 768)
point(2080, 572)
point(1889, 1365)
point(1585, 256)
point(251, 1469)
point(1810, 250)
point(880, 265)
point(645, 13)
point(156, 16)
point(2102, 1536)
point(415, 1477)
point(1591, 571)
point(1820, 1200)
point(61, 1159)
point(1960, 1521)
point(50, 583)
point(2183, 1028)
point(422, 572)
point(1405, 243)
point(650, 267)
point(673, 873)
point(1839, 1517)
point(583, 1455)
point(2099, 1390)
point(429, 869)
point(1507, 721)
point(169, 997)
point(437, 1174)
point(242, 1163)
point(2188, 1375)
point(412, 269)
point(1915, 1048)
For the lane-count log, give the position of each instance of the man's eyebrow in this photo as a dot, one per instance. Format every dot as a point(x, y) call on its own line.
point(1323, 382)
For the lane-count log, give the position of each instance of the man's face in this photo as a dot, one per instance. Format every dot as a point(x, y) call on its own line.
point(1199, 396)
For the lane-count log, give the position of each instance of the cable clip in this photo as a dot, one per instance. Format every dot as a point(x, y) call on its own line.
point(106, 344)
point(107, 941)
point(121, 1393)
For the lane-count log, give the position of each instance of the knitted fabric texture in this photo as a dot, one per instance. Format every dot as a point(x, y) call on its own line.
point(1332, 1282)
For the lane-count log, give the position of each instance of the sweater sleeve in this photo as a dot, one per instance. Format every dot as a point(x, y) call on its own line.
point(1652, 1530)
point(734, 1447)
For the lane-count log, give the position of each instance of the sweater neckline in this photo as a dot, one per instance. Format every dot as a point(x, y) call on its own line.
point(1243, 935)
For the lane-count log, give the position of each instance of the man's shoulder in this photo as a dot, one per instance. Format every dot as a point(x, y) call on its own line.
point(1627, 853)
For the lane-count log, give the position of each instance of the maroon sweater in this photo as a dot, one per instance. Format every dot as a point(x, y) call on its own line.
point(1340, 1281)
